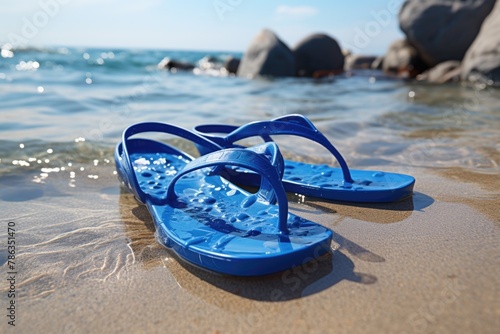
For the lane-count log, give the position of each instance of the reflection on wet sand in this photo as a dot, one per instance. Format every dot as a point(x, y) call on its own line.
point(19, 188)
point(62, 240)
point(487, 204)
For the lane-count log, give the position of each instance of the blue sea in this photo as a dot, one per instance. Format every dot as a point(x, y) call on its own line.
point(62, 106)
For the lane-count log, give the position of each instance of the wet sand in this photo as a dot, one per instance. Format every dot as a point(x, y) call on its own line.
point(88, 262)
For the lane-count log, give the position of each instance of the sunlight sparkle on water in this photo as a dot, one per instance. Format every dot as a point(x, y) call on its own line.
point(27, 66)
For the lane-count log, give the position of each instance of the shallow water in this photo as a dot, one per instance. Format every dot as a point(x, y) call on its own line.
point(76, 102)
point(63, 110)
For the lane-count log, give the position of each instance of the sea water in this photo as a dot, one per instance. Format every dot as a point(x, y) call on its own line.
point(60, 106)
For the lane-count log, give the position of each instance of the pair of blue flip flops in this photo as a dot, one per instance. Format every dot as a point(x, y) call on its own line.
point(209, 221)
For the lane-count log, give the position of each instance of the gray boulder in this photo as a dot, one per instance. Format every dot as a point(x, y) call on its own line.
point(267, 55)
point(402, 59)
point(482, 60)
point(231, 65)
point(448, 71)
point(318, 54)
point(443, 30)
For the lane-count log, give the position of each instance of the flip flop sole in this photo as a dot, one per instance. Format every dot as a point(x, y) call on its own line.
point(326, 182)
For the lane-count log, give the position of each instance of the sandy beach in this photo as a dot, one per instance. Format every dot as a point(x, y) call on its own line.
point(88, 262)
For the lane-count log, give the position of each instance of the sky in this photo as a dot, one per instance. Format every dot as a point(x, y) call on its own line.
point(363, 26)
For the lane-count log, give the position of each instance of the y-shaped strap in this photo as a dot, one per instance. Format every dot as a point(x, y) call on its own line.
point(209, 130)
point(249, 159)
point(296, 125)
point(155, 127)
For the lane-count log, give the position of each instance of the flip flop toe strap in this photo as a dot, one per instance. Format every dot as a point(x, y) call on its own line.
point(258, 159)
point(295, 125)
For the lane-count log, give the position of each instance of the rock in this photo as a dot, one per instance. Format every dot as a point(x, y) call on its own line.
point(482, 60)
point(210, 59)
point(402, 59)
point(231, 65)
point(318, 54)
point(346, 53)
point(448, 71)
point(378, 63)
point(267, 55)
point(168, 64)
point(442, 30)
point(359, 62)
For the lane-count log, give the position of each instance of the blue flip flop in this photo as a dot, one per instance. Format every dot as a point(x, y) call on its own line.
point(209, 221)
point(322, 181)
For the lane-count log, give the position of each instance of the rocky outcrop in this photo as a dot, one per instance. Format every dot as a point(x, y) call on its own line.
point(448, 71)
point(442, 30)
point(402, 59)
point(267, 55)
point(482, 60)
point(317, 55)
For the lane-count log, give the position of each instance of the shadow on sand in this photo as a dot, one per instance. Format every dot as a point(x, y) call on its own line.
point(381, 213)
